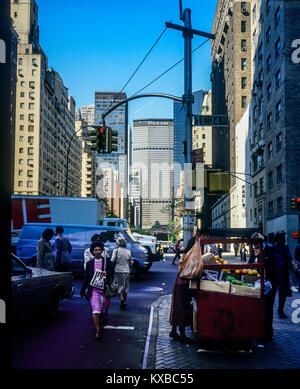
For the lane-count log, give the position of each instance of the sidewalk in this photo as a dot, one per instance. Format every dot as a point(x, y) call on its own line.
point(283, 352)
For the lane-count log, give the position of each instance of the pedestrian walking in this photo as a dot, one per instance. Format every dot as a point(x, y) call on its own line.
point(278, 264)
point(62, 249)
point(177, 252)
point(87, 253)
point(243, 253)
point(220, 251)
point(99, 270)
point(236, 248)
point(122, 260)
point(45, 259)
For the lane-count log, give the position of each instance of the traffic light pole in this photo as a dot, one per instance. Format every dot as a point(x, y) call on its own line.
point(188, 100)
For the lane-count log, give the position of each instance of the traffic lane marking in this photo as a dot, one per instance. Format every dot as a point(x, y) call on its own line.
point(119, 328)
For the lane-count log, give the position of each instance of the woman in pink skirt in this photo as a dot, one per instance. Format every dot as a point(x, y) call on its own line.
point(98, 271)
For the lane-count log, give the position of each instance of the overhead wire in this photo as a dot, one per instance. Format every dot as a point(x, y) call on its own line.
point(143, 60)
point(165, 72)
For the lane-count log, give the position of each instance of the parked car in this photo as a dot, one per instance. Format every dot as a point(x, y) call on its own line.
point(80, 239)
point(35, 289)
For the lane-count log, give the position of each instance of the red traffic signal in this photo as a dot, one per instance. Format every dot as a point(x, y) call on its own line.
point(101, 129)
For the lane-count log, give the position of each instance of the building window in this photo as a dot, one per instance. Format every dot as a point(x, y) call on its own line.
point(30, 150)
point(21, 161)
point(21, 150)
point(278, 142)
point(254, 12)
point(30, 128)
point(244, 64)
point(260, 52)
point(22, 83)
point(268, 5)
point(269, 91)
point(244, 82)
point(22, 128)
point(30, 140)
point(278, 79)
point(21, 117)
point(279, 174)
point(30, 173)
point(261, 186)
point(270, 150)
point(29, 184)
point(243, 45)
point(268, 34)
point(20, 172)
point(270, 180)
point(203, 136)
point(261, 105)
point(279, 206)
point(21, 138)
point(21, 105)
point(269, 121)
point(270, 209)
point(31, 84)
point(20, 61)
point(255, 189)
point(244, 101)
point(33, 72)
point(31, 117)
point(277, 48)
point(278, 110)
point(31, 105)
point(277, 17)
point(243, 6)
point(20, 183)
point(243, 26)
point(31, 95)
point(30, 162)
point(269, 60)
point(22, 94)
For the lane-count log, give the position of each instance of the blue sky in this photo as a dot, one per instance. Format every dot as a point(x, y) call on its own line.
point(97, 45)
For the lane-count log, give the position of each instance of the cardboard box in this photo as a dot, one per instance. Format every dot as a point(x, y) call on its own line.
point(242, 290)
point(222, 287)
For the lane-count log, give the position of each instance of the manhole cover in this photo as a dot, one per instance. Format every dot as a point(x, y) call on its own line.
point(152, 289)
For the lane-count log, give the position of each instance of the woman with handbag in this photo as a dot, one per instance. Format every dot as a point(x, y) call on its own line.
point(122, 259)
point(98, 273)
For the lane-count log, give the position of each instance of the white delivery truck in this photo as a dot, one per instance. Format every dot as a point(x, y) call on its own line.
point(148, 242)
point(51, 209)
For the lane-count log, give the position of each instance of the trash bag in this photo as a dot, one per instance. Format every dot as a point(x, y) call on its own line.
point(191, 264)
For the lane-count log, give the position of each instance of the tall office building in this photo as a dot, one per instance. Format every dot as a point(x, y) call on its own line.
point(152, 161)
point(230, 76)
point(118, 121)
point(86, 113)
point(45, 117)
point(274, 134)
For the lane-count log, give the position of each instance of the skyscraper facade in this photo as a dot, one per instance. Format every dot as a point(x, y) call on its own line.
point(152, 164)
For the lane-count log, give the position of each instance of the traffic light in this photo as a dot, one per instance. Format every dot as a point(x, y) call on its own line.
point(112, 140)
point(295, 203)
point(100, 140)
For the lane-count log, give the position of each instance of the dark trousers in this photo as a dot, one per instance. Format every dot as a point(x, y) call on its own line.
point(176, 256)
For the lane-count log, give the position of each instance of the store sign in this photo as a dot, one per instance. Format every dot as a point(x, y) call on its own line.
point(243, 195)
point(189, 219)
point(210, 120)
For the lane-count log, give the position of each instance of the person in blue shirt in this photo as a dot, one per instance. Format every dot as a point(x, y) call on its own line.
point(61, 250)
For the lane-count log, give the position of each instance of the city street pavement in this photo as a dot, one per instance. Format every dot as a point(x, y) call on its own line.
point(283, 352)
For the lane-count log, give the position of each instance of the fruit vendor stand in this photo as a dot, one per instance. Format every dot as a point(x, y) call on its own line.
point(231, 308)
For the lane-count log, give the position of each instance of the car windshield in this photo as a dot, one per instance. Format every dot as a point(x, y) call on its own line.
point(16, 268)
point(130, 235)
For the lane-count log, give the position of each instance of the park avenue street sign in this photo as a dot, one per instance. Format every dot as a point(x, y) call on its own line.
point(210, 120)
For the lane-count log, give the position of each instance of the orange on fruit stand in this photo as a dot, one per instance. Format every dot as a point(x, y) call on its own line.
point(237, 271)
point(244, 271)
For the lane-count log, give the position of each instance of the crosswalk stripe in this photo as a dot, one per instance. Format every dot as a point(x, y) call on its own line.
point(118, 328)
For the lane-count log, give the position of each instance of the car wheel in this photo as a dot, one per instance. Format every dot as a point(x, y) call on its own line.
point(53, 307)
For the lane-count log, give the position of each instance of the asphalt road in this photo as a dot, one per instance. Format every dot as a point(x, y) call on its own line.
point(67, 341)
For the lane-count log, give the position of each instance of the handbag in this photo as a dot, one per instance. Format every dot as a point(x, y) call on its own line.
point(191, 264)
point(110, 288)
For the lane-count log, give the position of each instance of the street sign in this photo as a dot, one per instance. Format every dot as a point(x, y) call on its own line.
point(189, 219)
point(211, 120)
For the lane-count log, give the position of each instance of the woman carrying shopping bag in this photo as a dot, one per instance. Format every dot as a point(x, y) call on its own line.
point(122, 260)
point(99, 271)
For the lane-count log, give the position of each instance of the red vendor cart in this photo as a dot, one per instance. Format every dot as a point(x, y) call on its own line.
point(228, 316)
